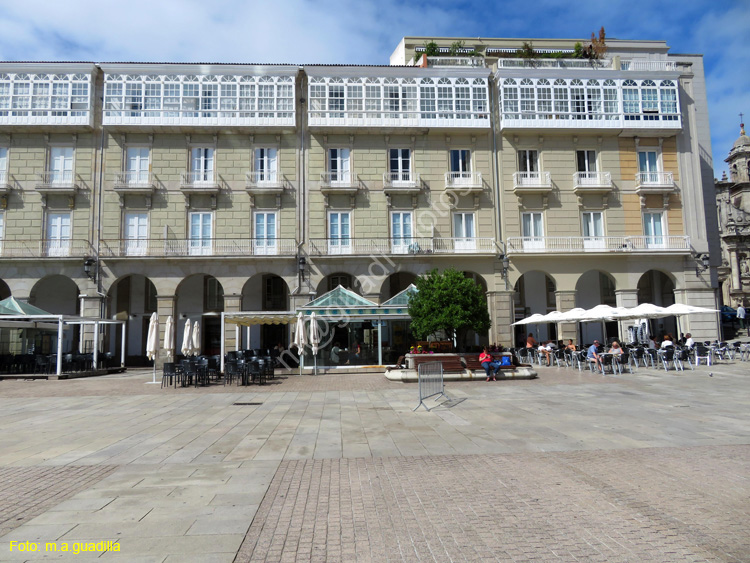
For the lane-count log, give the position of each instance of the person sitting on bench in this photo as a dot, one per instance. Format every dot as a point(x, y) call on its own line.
point(485, 358)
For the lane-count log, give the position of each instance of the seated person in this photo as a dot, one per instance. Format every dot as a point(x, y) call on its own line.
point(485, 358)
point(335, 351)
point(689, 342)
point(592, 355)
point(615, 349)
point(546, 350)
point(651, 343)
point(570, 347)
point(667, 342)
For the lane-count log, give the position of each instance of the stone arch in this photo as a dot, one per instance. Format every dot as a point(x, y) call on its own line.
point(131, 298)
point(58, 294)
point(657, 287)
point(199, 297)
point(596, 287)
point(331, 281)
point(396, 283)
point(265, 292)
point(534, 292)
point(4, 290)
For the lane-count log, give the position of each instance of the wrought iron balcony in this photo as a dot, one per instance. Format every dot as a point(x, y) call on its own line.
point(202, 182)
point(400, 245)
point(532, 182)
point(339, 182)
point(134, 182)
point(63, 182)
point(401, 182)
point(264, 181)
point(46, 248)
point(592, 182)
point(123, 248)
point(578, 245)
point(654, 182)
point(468, 182)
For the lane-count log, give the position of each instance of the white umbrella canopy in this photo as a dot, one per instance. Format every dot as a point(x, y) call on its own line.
point(196, 339)
point(602, 313)
point(571, 316)
point(300, 338)
point(533, 319)
point(187, 343)
point(679, 309)
point(152, 341)
point(644, 311)
point(169, 337)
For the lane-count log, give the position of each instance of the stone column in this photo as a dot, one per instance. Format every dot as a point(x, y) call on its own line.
point(90, 306)
point(232, 304)
point(565, 300)
point(734, 264)
point(500, 305)
point(626, 298)
point(703, 326)
point(165, 306)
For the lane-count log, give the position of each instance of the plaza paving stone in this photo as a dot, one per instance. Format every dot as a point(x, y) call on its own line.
point(650, 466)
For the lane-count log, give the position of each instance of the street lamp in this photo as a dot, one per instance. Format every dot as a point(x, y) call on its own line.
point(505, 261)
point(88, 264)
point(301, 263)
point(703, 265)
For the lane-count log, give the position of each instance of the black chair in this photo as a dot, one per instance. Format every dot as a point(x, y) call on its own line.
point(667, 356)
point(41, 364)
point(169, 374)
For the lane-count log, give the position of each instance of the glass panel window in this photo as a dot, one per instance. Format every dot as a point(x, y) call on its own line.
point(653, 228)
point(200, 233)
point(202, 165)
point(136, 234)
point(528, 161)
point(463, 231)
point(593, 229)
point(339, 165)
point(401, 232)
point(61, 165)
point(399, 163)
point(339, 233)
point(648, 166)
point(3, 166)
point(58, 234)
point(265, 233)
point(586, 161)
point(137, 165)
point(532, 230)
point(265, 165)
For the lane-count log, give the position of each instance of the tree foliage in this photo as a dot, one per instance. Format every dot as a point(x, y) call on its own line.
point(431, 49)
point(448, 301)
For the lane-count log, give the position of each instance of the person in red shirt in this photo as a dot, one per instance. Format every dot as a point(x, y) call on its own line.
point(485, 358)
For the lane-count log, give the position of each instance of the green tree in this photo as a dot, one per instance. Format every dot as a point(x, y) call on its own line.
point(448, 301)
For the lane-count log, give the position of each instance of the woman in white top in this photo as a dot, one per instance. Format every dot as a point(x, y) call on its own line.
point(667, 342)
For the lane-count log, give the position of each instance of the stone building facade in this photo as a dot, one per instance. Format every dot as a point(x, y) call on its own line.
point(197, 189)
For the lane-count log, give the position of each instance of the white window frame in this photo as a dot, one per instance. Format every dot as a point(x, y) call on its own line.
point(588, 222)
point(461, 174)
point(402, 232)
point(400, 175)
point(654, 240)
point(590, 165)
point(205, 158)
point(4, 157)
point(201, 245)
point(337, 243)
point(464, 241)
point(652, 176)
point(2, 230)
point(533, 240)
point(525, 161)
point(263, 243)
point(339, 166)
point(63, 175)
point(137, 175)
point(59, 245)
point(266, 165)
point(135, 245)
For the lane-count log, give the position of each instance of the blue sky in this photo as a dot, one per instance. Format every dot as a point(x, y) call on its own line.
point(367, 31)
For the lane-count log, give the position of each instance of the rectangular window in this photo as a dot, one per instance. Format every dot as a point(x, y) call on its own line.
point(593, 229)
point(213, 294)
point(58, 234)
point(586, 161)
point(399, 166)
point(202, 165)
point(648, 167)
point(3, 166)
point(339, 166)
point(401, 232)
point(339, 233)
point(653, 228)
point(61, 165)
point(138, 165)
point(265, 165)
point(136, 234)
point(532, 230)
point(200, 234)
point(463, 231)
point(265, 233)
point(528, 161)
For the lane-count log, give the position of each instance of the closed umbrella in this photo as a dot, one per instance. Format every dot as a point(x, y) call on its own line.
point(300, 338)
point(187, 344)
point(152, 341)
point(169, 338)
point(314, 339)
point(196, 348)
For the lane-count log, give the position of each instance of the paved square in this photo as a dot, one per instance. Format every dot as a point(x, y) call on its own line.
point(650, 466)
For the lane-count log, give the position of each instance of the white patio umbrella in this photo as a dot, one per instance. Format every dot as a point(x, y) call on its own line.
point(187, 344)
point(152, 342)
point(314, 339)
point(679, 309)
point(300, 338)
point(169, 338)
point(196, 347)
point(533, 319)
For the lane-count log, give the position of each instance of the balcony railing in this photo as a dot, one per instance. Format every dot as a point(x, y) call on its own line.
point(344, 181)
point(4, 181)
point(641, 65)
point(654, 180)
point(118, 248)
point(397, 180)
point(61, 181)
point(463, 181)
point(474, 62)
point(263, 179)
point(592, 180)
point(46, 248)
point(572, 120)
point(134, 181)
point(400, 245)
point(554, 63)
point(576, 245)
point(199, 181)
point(534, 180)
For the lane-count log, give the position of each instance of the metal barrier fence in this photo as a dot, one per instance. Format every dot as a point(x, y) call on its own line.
point(430, 382)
